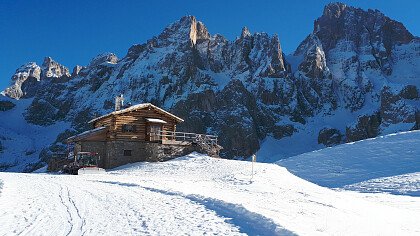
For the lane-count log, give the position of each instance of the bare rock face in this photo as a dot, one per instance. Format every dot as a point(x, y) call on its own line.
point(330, 137)
point(360, 50)
point(237, 111)
point(76, 71)
point(6, 105)
point(340, 21)
point(187, 32)
point(28, 74)
point(397, 106)
point(315, 79)
point(281, 131)
point(258, 53)
point(52, 69)
point(110, 58)
point(314, 64)
point(41, 112)
point(369, 31)
point(27, 79)
point(367, 126)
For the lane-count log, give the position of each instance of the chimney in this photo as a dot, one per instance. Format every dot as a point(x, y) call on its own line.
point(119, 102)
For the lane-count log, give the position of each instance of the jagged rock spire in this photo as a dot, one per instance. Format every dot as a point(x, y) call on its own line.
point(51, 68)
point(245, 32)
point(187, 29)
point(334, 10)
point(314, 64)
point(76, 70)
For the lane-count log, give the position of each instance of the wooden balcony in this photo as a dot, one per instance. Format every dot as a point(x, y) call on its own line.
point(182, 138)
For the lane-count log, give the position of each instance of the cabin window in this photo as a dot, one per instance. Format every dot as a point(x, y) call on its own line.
point(128, 128)
point(127, 153)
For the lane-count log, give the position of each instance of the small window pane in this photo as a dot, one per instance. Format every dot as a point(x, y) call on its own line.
point(127, 152)
point(128, 128)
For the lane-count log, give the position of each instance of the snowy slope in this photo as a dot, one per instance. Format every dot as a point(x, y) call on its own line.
point(388, 163)
point(196, 195)
point(21, 140)
point(407, 184)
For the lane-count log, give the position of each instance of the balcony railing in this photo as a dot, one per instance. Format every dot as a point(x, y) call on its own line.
point(182, 136)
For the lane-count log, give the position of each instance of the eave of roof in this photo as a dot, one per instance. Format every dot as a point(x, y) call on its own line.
point(85, 134)
point(136, 107)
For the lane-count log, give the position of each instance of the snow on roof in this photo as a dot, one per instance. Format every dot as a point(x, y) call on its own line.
point(136, 107)
point(86, 133)
point(153, 120)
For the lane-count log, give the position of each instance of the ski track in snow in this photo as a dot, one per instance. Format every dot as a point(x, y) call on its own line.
point(196, 195)
point(248, 222)
point(108, 210)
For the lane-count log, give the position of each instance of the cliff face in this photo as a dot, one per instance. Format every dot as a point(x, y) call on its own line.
point(355, 76)
point(371, 60)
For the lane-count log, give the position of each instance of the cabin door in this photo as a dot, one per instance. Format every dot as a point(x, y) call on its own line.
point(154, 131)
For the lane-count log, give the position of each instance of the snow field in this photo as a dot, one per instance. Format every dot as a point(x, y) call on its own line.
point(196, 195)
point(353, 163)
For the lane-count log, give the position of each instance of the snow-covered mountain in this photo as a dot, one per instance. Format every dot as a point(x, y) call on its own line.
point(355, 76)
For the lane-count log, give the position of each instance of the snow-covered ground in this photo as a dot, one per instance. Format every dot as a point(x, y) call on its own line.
point(196, 195)
point(389, 163)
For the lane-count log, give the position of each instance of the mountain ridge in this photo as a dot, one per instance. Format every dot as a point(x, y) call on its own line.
point(247, 90)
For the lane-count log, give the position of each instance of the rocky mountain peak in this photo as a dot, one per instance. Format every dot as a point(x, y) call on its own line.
point(342, 22)
point(198, 31)
point(245, 32)
point(187, 29)
point(51, 68)
point(48, 61)
point(107, 57)
point(25, 76)
point(31, 69)
point(334, 10)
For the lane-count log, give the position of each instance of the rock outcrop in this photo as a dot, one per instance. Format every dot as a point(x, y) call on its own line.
point(26, 76)
point(6, 105)
point(330, 137)
point(367, 126)
point(110, 58)
point(76, 71)
point(52, 69)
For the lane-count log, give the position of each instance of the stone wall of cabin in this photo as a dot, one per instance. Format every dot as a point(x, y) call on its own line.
point(93, 146)
point(112, 152)
point(143, 151)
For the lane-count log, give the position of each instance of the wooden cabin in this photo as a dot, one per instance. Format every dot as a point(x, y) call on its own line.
point(143, 122)
point(142, 132)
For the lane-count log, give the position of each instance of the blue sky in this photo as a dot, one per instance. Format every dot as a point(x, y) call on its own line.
point(72, 32)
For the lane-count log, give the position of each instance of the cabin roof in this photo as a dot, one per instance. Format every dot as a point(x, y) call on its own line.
point(86, 134)
point(137, 107)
